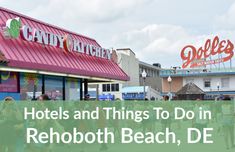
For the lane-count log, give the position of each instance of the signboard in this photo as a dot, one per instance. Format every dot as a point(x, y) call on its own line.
point(202, 56)
point(14, 29)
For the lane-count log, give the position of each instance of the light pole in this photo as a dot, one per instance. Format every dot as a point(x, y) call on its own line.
point(144, 75)
point(169, 79)
point(218, 86)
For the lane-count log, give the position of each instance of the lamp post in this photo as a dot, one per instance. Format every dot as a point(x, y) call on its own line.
point(169, 79)
point(218, 86)
point(144, 75)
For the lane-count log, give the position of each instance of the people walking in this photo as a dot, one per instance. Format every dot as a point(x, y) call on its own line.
point(228, 123)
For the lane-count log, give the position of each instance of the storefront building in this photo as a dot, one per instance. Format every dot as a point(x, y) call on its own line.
point(209, 67)
point(213, 82)
point(38, 58)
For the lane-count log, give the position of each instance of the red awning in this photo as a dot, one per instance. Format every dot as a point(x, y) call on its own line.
point(35, 56)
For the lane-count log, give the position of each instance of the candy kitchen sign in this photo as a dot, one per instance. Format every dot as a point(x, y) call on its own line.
point(202, 56)
point(14, 29)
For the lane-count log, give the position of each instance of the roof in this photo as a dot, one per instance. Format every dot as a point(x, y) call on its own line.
point(190, 88)
point(141, 63)
point(125, 49)
point(134, 89)
point(30, 55)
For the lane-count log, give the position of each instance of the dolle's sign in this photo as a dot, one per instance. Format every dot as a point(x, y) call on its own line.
point(193, 57)
point(14, 29)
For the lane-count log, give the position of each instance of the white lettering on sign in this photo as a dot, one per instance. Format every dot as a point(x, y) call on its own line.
point(25, 32)
point(66, 42)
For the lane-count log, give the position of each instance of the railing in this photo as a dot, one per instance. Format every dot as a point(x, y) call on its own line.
point(172, 72)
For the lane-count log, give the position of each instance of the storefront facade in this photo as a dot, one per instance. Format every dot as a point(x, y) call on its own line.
point(209, 67)
point(37, 58)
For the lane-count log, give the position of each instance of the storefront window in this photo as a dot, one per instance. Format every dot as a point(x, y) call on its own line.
point(108, 87)
point(104, 86)
point(72, 89)
point(8, 81)
point(54, 87)
point(114, 87)
point(30, 86)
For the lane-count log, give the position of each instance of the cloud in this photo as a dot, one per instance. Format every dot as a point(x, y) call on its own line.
point(155, 42)
point(226, 20)
point(153, 29)
point(99, 19)
point(162, 43)
point(87, 10)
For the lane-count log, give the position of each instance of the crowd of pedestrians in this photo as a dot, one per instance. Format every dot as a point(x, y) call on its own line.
point(12, 124)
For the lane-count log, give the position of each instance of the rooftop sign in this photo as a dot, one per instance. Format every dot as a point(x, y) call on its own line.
point(220, 51)
point(14, 29)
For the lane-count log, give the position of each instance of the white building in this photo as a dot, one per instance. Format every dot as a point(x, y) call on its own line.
point(127, 60)
point(131, 65)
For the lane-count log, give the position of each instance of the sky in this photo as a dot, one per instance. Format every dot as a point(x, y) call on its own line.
point(156, 30)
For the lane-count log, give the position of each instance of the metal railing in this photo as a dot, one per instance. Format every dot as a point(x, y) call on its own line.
point(172, 72)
